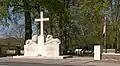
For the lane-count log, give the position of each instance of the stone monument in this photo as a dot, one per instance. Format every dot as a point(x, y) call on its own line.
point(38, 48)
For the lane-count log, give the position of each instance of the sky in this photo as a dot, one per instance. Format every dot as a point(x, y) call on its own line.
point(14, 19)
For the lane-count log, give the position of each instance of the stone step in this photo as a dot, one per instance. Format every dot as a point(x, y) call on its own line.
point(42, 57)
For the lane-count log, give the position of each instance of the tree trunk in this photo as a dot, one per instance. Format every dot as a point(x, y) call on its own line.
point(28, 25)
point(117, 29)
point(38, 23)
point(61, 34)
point(51, 23)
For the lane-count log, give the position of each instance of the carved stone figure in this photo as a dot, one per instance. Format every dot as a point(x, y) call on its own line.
point(34, 40)
point(30, 49)
point(50, 40)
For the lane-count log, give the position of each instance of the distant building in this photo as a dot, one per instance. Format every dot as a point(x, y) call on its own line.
point(10, 43)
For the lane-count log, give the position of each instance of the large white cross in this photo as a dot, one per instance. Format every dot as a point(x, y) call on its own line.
point(41, 19)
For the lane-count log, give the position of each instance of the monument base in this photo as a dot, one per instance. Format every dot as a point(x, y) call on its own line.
point(41, 57)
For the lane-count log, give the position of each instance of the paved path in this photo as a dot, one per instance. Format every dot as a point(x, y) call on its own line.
point(76, 61)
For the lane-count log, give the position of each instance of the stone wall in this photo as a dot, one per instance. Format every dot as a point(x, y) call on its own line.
point(111, 56)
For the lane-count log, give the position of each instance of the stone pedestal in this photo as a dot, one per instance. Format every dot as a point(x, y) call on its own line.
point(30, 50)
point(52, 50)
point(41, 39)
point(41, 46)
point(97, 52)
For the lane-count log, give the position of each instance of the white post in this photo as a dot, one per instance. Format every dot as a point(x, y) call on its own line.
point(97, 52)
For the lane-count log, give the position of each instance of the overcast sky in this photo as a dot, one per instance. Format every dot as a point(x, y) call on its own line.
point(15, 19)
